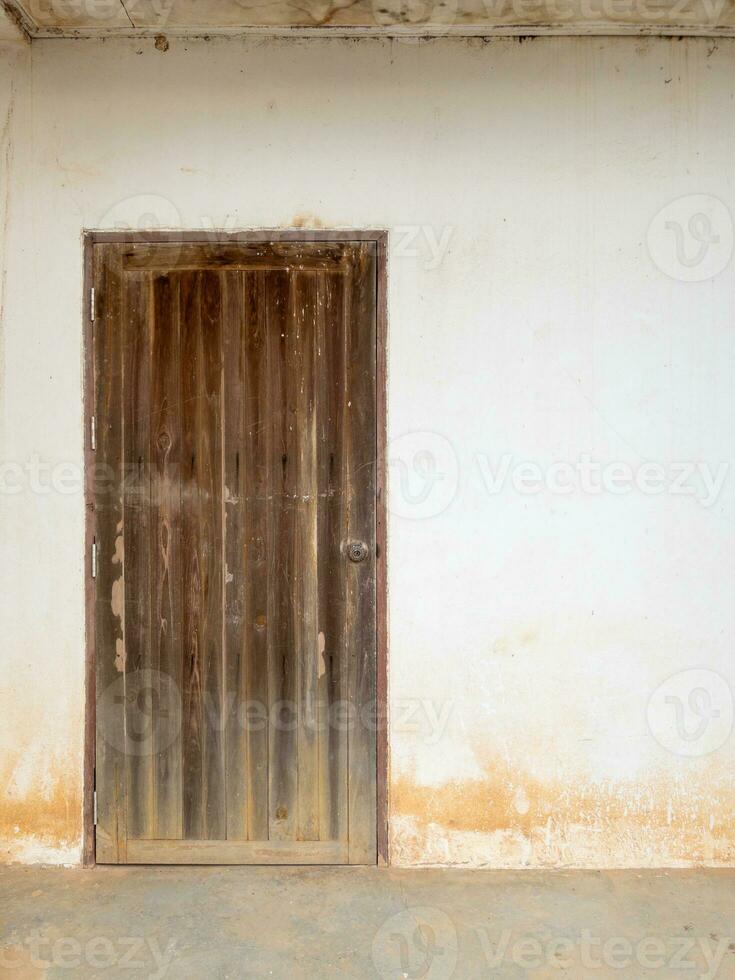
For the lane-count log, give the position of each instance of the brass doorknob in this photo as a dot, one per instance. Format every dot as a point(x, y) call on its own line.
point(357, 551)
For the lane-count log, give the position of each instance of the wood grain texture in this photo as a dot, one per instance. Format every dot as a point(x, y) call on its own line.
point(111, 833)
point(211, 503)
point(359, 490)
point(202, 498)
point(332, 577)
point(381, 547)
point(166, 570)
point(234, 325)
point(303, 450)
point(139, 706)
point(248, 402)
point(256, 414)
point(236, 852)
point(90, 467)
point(288, 256)
point(263, 237)
point(282, 747)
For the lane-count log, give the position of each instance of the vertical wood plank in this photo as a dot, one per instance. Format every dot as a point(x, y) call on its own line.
point(193, 720)
point(166, 553)
point(381, 551)
point(257, 413)
point(203, 755)
point(361, 447)
point(90, 681)
point(234, 327)
point(303, 489)
point(246, 580)
point(282, 714)
point(211, 505)
point(140, 703)
point(111, 830)
point(332, 582)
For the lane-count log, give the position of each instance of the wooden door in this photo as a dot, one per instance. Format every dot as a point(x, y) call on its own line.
point(235, 535)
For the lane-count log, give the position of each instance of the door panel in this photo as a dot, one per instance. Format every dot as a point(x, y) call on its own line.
point(235, 394)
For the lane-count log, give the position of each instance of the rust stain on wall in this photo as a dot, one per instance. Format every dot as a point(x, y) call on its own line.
point(306, 220)
point(54, 819)
point(48, 815)
point(508, 819)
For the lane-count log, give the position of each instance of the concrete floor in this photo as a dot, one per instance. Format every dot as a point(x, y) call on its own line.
point(321, 923)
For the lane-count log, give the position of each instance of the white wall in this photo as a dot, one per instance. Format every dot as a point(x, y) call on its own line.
point(528, 631)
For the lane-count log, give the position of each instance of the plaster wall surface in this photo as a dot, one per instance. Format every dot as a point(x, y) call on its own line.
point(561, 407)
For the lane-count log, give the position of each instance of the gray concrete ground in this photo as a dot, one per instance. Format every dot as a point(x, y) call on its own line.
point(342, 922)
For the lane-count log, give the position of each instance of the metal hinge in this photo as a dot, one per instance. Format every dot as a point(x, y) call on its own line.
point(94, 558)
point(94, 797)
point(91, 304)
point(93, 433)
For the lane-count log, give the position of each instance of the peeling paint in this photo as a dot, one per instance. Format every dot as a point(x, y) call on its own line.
point(117, 558)
point(116, 601)
point(120, 656)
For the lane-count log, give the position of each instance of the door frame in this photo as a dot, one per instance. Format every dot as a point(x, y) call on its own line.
point(380, 237)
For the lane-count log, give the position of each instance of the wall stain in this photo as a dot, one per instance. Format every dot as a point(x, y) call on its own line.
point(49, 815)
point(306, 219)
point(508, 818)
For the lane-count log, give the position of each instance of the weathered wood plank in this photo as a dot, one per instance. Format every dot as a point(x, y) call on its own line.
point(234, 325)
point(202, 501)
point(210, 512)
point(236, 852)
point(332, 581)
point(256, 491)
point(302, 487)
point(90, 463)
point(282, 709)
point(111, 828)
point(286, 256)
point(166, 598)
point(193, 706)
point(381, 553)
point(359, 489)
point(140, 705)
